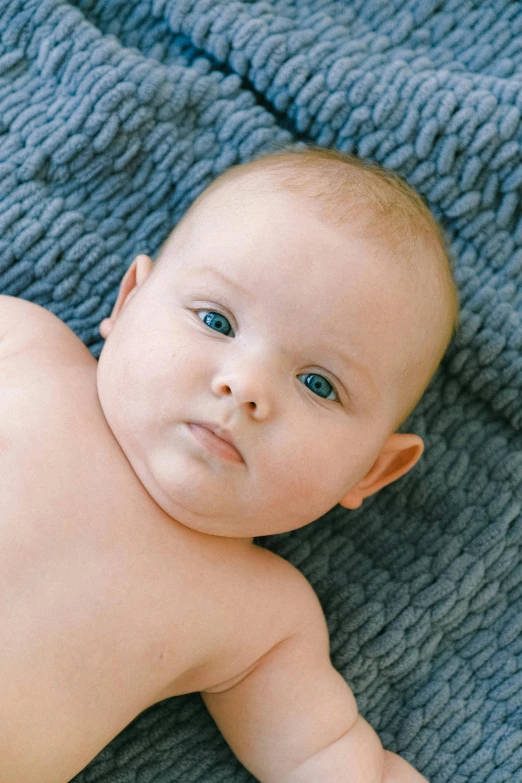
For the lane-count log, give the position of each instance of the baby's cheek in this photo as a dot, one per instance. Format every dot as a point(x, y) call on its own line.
point(322, 472)
point(107, 383)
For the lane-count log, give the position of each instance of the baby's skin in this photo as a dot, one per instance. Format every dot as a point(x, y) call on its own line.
point(128, 573)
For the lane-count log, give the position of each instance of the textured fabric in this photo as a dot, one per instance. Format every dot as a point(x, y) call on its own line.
point(115, 115)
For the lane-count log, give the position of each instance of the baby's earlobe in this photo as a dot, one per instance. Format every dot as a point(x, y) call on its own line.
point(353, 500)
point(105, 327)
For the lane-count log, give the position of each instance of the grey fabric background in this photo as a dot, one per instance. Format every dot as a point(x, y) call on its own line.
point(115, 115)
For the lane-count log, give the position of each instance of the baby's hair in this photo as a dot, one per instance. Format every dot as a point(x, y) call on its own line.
point(343, 188)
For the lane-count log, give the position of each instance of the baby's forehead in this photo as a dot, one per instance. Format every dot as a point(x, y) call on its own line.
point(314, 265)
point(246, 220)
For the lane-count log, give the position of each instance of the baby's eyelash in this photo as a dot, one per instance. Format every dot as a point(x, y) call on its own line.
point(308, 375)
point(212, 312)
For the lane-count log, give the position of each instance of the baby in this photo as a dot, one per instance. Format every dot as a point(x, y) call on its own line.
point(251, 378)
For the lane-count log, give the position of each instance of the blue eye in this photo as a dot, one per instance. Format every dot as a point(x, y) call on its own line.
point(319, 385)
point(215, 321)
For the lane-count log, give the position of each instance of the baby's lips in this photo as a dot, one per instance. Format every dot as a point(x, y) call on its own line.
point(221, 441)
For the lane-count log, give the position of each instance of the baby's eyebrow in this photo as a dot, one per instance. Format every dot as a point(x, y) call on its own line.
point(207, 270)
point(352, 364)
point(355, 369)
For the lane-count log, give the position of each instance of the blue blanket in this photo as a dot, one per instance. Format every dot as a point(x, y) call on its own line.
point(115, 115)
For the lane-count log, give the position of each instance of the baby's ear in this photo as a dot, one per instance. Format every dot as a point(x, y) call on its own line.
point(135, 276)
point(399, 454)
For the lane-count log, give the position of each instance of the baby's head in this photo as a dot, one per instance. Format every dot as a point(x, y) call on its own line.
point(303, 303)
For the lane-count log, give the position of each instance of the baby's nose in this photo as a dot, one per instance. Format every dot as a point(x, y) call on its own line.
point(247, 387)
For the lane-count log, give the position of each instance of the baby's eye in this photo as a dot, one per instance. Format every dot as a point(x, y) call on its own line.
point(319, 385)
point(215, 321)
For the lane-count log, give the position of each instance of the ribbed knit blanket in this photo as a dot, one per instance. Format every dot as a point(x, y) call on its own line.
point(114, 116)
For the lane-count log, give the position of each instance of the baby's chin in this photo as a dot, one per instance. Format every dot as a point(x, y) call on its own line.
point(188, 503)
point(208, 496)
point(197, 511)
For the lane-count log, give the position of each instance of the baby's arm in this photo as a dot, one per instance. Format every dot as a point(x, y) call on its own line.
point(293, 718)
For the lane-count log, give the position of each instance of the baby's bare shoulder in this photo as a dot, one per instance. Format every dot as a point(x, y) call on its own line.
point(268, 600)
point(281, 593)
point(37, 352)
point(25, 325)
point(290, 587)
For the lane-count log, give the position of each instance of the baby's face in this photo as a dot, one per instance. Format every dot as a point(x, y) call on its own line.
point(277, 327)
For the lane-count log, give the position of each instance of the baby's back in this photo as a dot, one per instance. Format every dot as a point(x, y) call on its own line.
point(108, 605)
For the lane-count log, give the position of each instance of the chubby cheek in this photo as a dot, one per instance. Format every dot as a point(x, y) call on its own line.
point(180, 367)
point(307, 475)
point(151, 374)
point(172, 379)
point(124, 366)
point(117, 391)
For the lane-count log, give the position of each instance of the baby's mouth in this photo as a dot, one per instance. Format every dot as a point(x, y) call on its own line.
point(207, 438)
